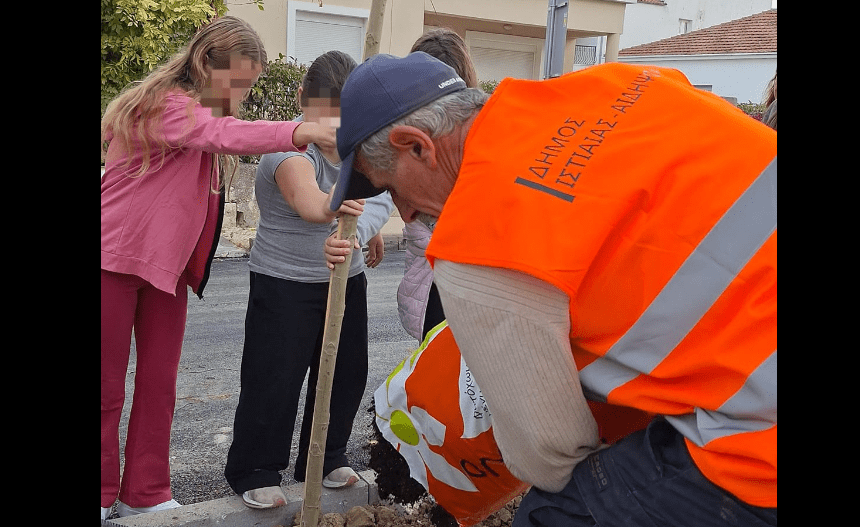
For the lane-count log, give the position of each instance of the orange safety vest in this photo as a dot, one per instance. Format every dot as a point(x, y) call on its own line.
point(652, 204)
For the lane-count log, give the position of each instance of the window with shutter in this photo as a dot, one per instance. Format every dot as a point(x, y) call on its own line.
point(498, 56)
point(312, 31)
point(496, 64)
point(586, 55)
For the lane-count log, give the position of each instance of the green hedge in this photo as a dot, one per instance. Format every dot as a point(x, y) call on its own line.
point(753, 109)
point(273, 97)
point(488, 86)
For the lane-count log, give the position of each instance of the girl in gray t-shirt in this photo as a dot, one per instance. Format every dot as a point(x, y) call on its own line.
point(287, 307)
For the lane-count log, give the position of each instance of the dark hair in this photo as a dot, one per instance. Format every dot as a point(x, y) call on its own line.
point(326, 76)
point(446, 45)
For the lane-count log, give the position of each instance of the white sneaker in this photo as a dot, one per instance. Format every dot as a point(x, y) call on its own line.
point(340, 477)
point(106, 512)
point(124, 510)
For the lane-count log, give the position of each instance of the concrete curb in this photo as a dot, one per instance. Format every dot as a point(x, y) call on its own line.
point(226, 249)
point(232, 512)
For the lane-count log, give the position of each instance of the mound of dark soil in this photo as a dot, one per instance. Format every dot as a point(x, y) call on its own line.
point(393, 479)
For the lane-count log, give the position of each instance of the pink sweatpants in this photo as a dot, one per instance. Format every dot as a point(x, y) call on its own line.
point(158, 320)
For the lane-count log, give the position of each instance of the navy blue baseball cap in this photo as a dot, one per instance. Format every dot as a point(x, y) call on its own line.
point(378, 92)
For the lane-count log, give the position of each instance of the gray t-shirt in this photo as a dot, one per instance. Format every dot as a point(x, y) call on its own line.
point(291, 248)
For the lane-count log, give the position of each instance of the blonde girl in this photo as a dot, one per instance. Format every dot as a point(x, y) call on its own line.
point(164, 142)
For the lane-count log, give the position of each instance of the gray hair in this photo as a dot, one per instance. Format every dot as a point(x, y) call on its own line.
point(436, 119)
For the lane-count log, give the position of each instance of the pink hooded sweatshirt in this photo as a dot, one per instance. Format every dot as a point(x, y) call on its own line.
point(165, 222)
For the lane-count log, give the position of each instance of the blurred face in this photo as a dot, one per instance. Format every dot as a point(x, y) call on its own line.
point(226, 88)
point(323, 110)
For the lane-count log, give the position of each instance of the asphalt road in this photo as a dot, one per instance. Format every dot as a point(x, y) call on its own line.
point(208, 381)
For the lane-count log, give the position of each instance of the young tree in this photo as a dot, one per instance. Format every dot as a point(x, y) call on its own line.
point(331, 334)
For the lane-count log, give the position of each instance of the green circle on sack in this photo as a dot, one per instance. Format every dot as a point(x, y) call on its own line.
point(402, 428)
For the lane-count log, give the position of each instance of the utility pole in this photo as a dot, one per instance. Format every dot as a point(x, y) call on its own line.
point(556, 33)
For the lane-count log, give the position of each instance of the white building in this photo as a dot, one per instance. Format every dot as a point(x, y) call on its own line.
point(735, 59)
point(650, 20)
point(647, 21)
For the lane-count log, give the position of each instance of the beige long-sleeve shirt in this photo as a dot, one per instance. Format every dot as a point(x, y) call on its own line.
point(512, 330)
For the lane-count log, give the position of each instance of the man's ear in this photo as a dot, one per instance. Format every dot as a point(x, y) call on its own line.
point(411, 140)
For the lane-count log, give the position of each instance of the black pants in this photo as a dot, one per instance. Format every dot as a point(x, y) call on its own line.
point(433, 314)
point(283, 338)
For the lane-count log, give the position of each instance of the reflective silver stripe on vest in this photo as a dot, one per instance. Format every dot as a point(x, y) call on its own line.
point(750, 409)
point(691, 292)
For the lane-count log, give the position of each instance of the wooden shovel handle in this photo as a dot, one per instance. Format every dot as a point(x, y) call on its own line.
point(331, 339)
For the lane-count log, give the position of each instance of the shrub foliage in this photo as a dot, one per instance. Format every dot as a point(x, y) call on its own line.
point(274, 96)
point(488, 86)
point(753, 109)
point(139, 35)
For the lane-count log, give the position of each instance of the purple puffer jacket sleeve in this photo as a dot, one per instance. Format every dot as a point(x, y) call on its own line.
point(418, 277)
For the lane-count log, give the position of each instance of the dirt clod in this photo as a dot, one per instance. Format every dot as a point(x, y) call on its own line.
point(360, 517)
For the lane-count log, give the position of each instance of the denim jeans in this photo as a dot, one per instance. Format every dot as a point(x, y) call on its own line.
point(646, 479)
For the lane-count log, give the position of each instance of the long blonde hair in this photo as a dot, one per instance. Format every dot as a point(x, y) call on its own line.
point(134, 115)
